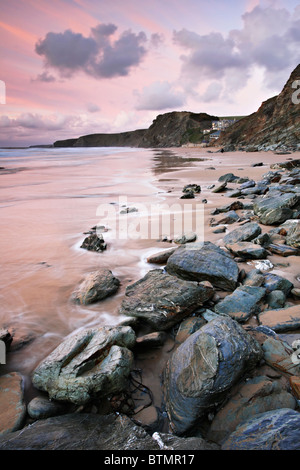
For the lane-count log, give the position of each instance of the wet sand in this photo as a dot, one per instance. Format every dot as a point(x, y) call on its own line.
point(49, 198)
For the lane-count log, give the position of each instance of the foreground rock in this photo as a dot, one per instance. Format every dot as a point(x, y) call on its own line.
point(12, 404)
point(90, 364)
point(247, 250)
point(162, 300)
point(242, 303)
point(204, 367)
point(273, 430)
point(96, 286)
point(244, 233)
point(276, 208)
point(280, 320)
point(257, 395)
point(204, 262)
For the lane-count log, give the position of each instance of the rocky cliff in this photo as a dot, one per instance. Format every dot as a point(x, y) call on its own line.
point(275, 125)
point(167, 130)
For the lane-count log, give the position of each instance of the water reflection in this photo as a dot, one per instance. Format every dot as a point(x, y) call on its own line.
point(167, 160)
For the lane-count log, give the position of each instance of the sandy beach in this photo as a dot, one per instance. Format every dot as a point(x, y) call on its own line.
point(49, 200)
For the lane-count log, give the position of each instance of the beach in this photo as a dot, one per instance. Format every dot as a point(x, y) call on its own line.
point(49, 201)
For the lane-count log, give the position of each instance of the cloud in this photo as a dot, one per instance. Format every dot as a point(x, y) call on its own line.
point(45, 77)
point(93, 108)
point(269, 39)
point(100, 55)
point(159, 96)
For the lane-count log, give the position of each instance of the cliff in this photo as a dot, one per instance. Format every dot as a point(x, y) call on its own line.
point(167, 130)
point(273, 126)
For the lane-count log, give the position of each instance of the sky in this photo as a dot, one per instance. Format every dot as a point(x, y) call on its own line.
point(77, 67)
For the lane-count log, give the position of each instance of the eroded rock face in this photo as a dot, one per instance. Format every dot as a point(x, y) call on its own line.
point(161, 300)
point(205, 366)
point(92, 363)
point(204, 262)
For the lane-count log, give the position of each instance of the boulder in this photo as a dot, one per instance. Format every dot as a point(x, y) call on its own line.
point(161, 257)
point(247, 250)
point(242, 303)
point(96, 286)
point(255, 396)
point(95, 362)
point(203, 368)
point(12, 404)
point(276, 208)
point(204, 262)
point(244, 233)
point(162, 300)
point(280, 320)
point(273, 430)
point(275, 282)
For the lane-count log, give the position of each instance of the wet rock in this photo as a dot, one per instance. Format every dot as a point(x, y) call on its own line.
point(234, 206)
point(273, 430)
point(220, 188)
point(280, 320)
point(244, 233)
point(81, 431)
point(162, 300)
point(230, 218)
point(242, 303)
point(283, 250)
point(188, 195)
point(42, 407)
point(172, 442)
point(247, 250)
point(276, 299)
point(248, 184)
point(196, 188)
point(186, 238)
point(254, 278)
point(203, 368)
point(96, 286)
point(204, 261)
point(276, 208)
point(161, 257)
point(188, 327)
point(275, 282)
point(95, 362)
point(94, 242)
point(257, 395)
point(12, 404)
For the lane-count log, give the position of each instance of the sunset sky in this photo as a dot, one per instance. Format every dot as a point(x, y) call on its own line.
point(76, 67)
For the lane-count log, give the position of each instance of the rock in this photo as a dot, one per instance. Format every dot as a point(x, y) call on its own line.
point(295, 385)
point(81, 431)
point(6, 337)
point(228, 178)
point(234, 206)
point(243, 233)
point(188, 327)
point(242, 303)
point(276, 299)
point(204, 262)
point(203, 368)
point(283, 250)
point(161, 257)
point(284, 319)
point(162, 300)
point(192, 187)
point(293, 236)
point(151, 340)
point(95, 362)
point(276, 282)
point(248, 184)
point(220, 188)
point(94, 242)
point(230, 218)
point(247, 250)
point(128, 210)
point(254, 278)
point(276, 208)
point(220, 229)
point(186, 238)
point(96, 286)
point(263, 265)
point(42, 407)
point(255, 396)
point(188, 195)
point(172, 442)
point(12, 404)
point(273, 430)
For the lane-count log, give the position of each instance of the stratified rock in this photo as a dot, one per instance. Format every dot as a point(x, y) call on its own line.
point(283, 250)
point(244, 233)
point(188, 327)
point(95, 362)
point(242, 303)
point(162, 300)
point(257, 395)
point(273, 430)
point(204, 367)
point(12, 404)
point(204, 262)
point(96, 286)
point(285, 319)
point(81, 431)
point(293, 235)
point(247, 250)
point(275, 208)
